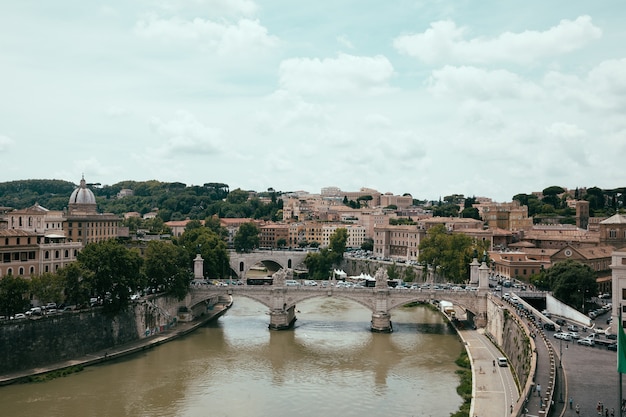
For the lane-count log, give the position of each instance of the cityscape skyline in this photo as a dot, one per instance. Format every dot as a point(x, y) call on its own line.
point(426, 98)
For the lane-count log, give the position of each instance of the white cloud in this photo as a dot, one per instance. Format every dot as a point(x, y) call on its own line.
point(222, 38)
point(445, 42)
point(344, 74)
point(5, 143)
point(603, 88)
point(185, 135)
point(480, 84)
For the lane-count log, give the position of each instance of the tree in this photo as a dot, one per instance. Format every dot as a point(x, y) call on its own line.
point(281, 243)
point(247, 237)
point(114, 272)
point(210, 246)
point(13, 291)
point(570, 281)
point(470, 213)
point(47, 287)
point(409, 274)
point(167, 267)
point(319, 264)
point(76, 288)
point(448, 253)
point(393, 272)
point(368, 244)
point(337, 244)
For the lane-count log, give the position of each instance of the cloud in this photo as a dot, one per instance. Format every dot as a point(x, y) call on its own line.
point(444, 41)
point(344, 41)
point(222, 38)
point(185, 135)
point(5, 143)
point(480, 84)
point(603, 88)
point(344, 74)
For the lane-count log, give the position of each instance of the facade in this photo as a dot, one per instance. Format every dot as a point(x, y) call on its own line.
point(19, 252)
point(398, 242)
point(273, 233)
point(83, 222)
point(508, 216)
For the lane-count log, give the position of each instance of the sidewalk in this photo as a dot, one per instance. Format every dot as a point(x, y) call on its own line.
point(181, 329)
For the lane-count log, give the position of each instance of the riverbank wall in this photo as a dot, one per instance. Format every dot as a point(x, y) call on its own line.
point(36, 342)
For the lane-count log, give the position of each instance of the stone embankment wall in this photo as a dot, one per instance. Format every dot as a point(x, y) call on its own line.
point(31, 343)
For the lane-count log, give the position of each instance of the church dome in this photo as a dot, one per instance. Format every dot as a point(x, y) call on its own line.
point(82, 195)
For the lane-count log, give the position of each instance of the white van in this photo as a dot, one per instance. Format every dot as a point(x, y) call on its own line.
point(291, 283)
point(502, 361)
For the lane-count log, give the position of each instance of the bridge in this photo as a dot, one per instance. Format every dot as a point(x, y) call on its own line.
point(281, 299)
point(273, 260)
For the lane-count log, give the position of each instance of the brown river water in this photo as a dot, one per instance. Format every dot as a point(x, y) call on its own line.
point(329, 365)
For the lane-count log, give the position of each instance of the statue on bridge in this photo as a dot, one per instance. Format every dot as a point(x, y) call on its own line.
point(381, 278)
point(280, 276)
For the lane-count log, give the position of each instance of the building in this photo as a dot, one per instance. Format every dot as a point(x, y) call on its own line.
point(274, 235)
point(83, 222)
point(45, 233)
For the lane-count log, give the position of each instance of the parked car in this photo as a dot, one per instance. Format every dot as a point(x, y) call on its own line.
point(573, 328)
point(19, 316)
point(586, 342)
point(574, 335)
point(291, 283)
point(612, 346)
point(549, 326)
point(560, 322)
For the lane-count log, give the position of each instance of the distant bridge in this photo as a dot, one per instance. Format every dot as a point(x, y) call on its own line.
point(273, 260)
point(281, 300)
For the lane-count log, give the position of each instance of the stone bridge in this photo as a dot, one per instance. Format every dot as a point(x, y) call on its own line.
point(281, 300)
point(273, 260)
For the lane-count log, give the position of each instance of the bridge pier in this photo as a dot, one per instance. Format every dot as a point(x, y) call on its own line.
point(381, 322)
point(282, 319)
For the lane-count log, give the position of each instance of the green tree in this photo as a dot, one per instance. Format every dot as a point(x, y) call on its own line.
point(77, 289)
point(470, 213)
point(47, 287)
point(210, 246)
point(237, 196)
point(319, 264)
point(281, 243)
point(570, 281)
point(449, 253)
point(168, 268)
point(247, 237)
point(368, 244)
point(13, 295)
point(409, 274)
point(337, 244)
point(393, 272)
point(114, 273)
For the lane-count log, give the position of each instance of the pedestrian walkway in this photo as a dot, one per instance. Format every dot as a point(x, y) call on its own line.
point(181, 329)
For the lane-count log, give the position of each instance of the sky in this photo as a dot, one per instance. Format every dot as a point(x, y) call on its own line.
point(481, 98)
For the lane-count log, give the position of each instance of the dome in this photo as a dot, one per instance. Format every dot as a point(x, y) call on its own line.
point(82, 195)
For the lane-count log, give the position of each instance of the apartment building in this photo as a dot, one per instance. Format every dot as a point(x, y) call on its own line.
point(272, 234)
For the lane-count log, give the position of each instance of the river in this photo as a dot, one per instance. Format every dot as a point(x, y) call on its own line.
point(330, 364)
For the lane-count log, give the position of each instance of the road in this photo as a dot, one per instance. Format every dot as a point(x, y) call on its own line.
point(494, 389)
